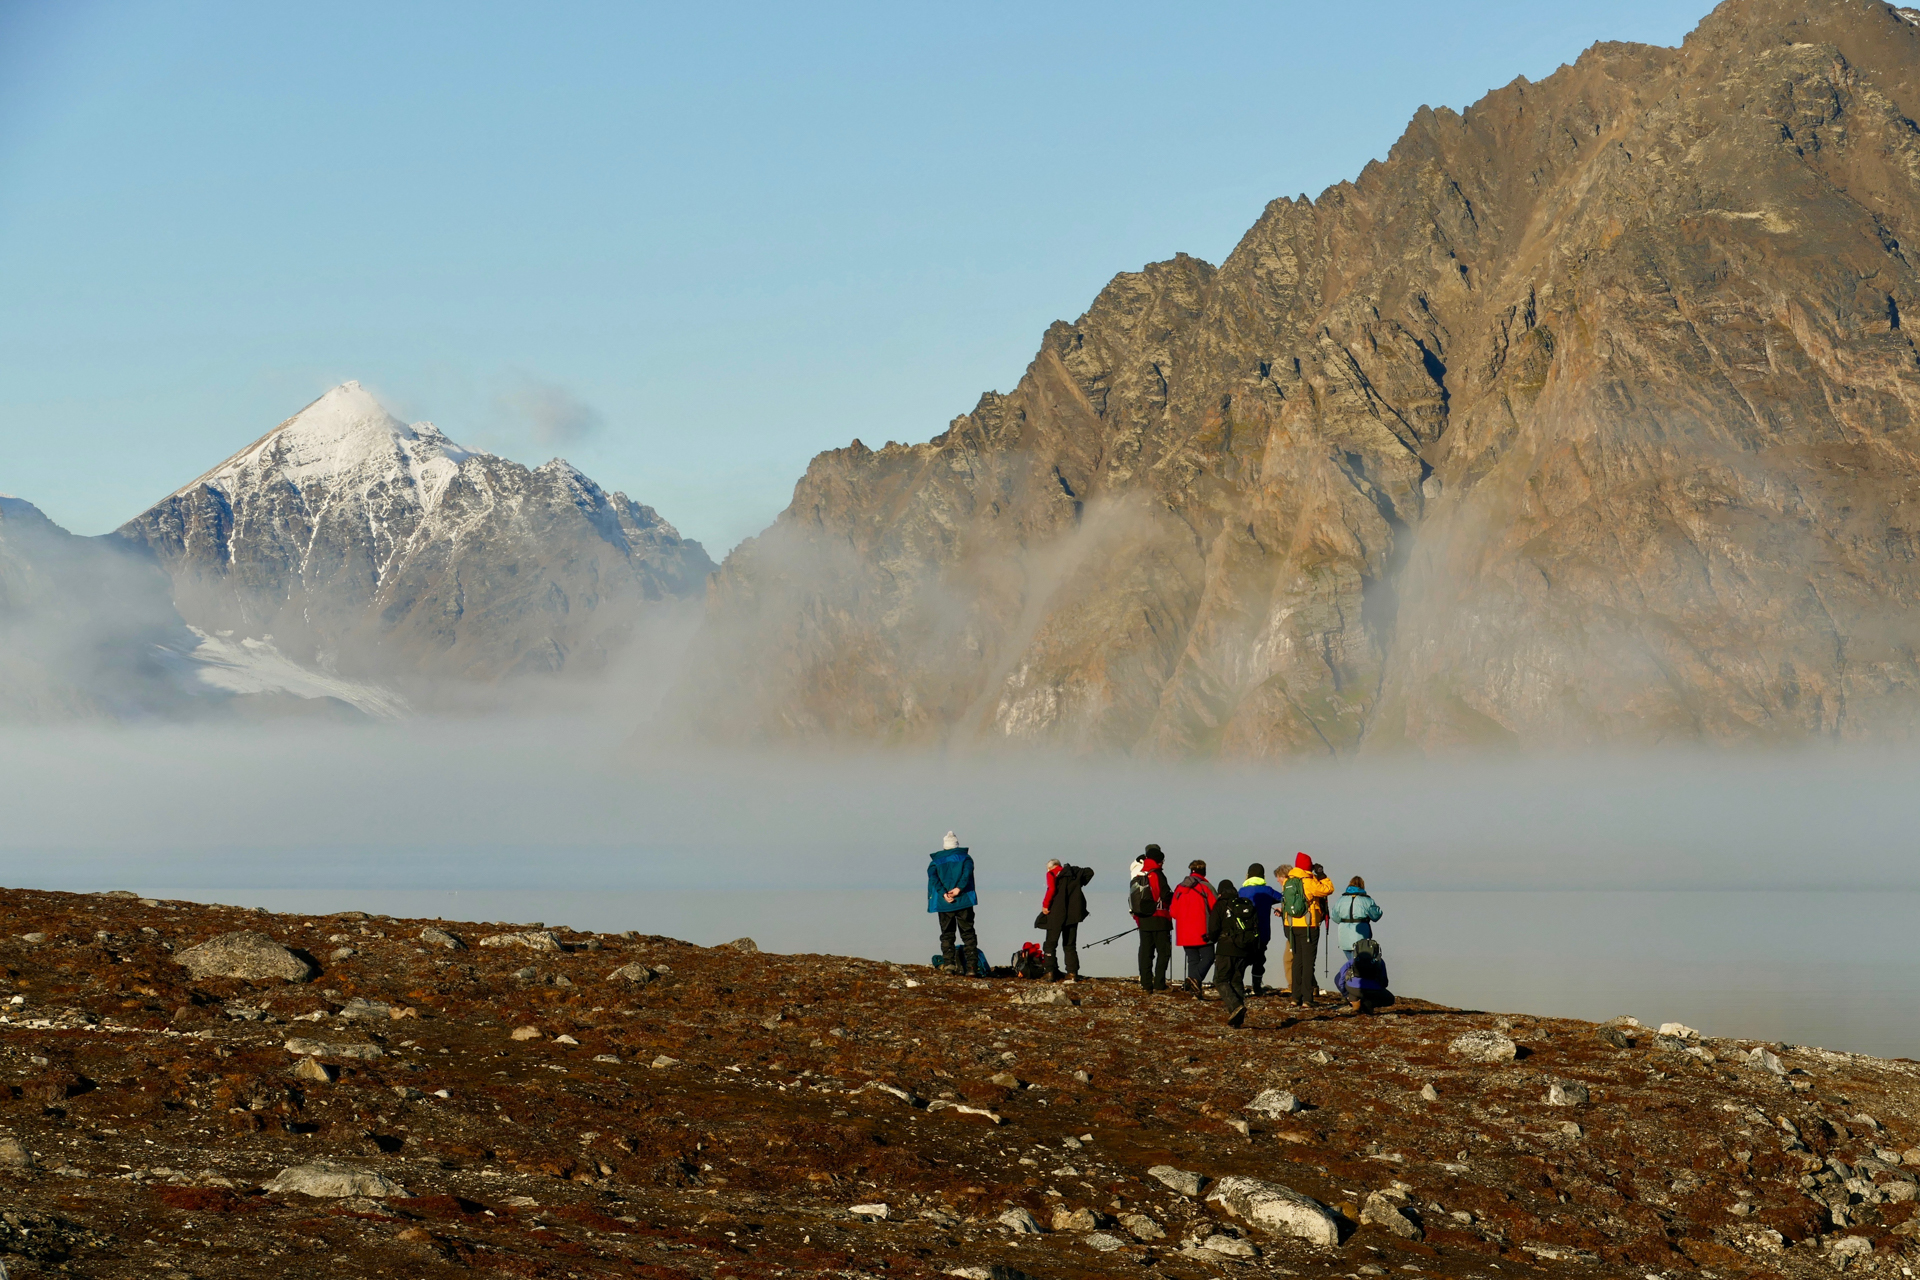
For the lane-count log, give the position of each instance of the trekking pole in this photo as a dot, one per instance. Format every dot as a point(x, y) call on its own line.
point(1115, 938)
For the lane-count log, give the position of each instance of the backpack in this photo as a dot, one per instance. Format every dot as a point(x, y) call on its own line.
point(1029, 961)
point(1366, 949)
point(1240, 925)
point(1293, 898)
point(1140, 899)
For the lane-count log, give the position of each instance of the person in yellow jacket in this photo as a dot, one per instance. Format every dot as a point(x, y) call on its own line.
point(1303, 932)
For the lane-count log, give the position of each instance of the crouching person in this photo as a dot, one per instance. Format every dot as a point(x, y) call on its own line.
point(1363, 979)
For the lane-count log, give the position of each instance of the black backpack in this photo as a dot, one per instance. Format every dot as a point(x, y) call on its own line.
point(1239, 924)
point(1366, 949)
point(1140, 899)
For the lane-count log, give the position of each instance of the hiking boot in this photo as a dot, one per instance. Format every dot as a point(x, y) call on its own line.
point(1237, 1017)
point(1071, 978)
point(1189, 986)
point(970, 962)
point(1053, 974)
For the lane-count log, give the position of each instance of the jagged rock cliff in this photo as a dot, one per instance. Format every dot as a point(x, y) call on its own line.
point(362, 544)
point(1586, 416)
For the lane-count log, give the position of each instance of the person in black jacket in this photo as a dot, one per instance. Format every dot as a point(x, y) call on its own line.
point(1150, 898)
point(1061, 912)
point(1234, 930)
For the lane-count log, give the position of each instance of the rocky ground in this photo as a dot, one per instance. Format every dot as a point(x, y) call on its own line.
point(392, 1097)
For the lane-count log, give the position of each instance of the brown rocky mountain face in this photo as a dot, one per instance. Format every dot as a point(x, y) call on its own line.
point(1587, 416)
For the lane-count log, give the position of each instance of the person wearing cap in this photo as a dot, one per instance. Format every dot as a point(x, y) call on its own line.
point(1303, 932)
point(951, 895)
point(1151, 900)
point(1193, 901)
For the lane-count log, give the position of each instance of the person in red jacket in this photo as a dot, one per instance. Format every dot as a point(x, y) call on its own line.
point(1193, 903)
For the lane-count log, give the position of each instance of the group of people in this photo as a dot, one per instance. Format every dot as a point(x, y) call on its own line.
point(1224, 929)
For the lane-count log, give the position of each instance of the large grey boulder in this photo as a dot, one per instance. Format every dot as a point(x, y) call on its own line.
point(1276, 1210)
point(252, 956)
point(1389, 1212)
point(1274, 1102)
point(1484, 1046)
point(1184, 1181)
point(323, 1178)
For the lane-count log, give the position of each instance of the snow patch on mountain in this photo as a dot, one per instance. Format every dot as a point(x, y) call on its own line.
point(244, 665)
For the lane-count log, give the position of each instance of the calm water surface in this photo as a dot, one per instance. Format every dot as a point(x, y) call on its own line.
point(1840, 970)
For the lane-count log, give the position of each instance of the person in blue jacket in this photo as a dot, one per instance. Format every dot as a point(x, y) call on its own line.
point(950, 893)
point(1355, 911)
point(1265, 898)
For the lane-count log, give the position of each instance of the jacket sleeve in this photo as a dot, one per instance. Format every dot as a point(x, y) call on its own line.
point(1373, 910)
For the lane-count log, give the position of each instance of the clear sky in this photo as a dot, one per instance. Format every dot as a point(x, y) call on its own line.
point(685, 246)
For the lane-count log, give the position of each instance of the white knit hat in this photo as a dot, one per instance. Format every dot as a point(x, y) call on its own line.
point(951, 842)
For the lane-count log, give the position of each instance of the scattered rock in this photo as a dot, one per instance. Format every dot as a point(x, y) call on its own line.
point(1430, 1093)
point(636, 973)
point(441, 938)
point(525, 1033)
point(326, 1179)
point(1851, 1246)
point(1074, 1220)
point(405, 1092)
point(1141, 1227)
point(1911, 1156)
point(565, 1040)
point(1567, 1093)
point(368, 1010)
point(1678, 1031)
point(1274, 1102)
point(1005, 1080)
point(35, 938)
point(1276, 1210)
point(1230, 1246)
point(1187, 1184)
point(607, 1057)
point(1320, 1057)
point(1020, 1221)
point(1613, 1036)
point(1390, 1214)
point(313, 1069)
point(1484, 1046)
point(13, 1154)
point(742, 944)
point(341, 953)
point(664, 1061)
point(869, 1211)
point(536, 939)
point(1767, 1061)
point(1046, 994)
point(1103, 1242)
point(252, 956)
point(322, 1049)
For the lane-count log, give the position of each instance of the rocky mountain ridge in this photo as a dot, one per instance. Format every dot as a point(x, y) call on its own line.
point(1587, 416)
point(364, 545)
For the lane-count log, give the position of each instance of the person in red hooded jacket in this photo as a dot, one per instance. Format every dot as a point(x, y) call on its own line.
point(1192, 910)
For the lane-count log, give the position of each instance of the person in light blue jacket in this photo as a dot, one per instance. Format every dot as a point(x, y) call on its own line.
point(1354, 911)
point(950, 895)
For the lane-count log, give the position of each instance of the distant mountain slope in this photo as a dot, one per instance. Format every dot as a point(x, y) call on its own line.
point(1591, 415)
point(364, 545)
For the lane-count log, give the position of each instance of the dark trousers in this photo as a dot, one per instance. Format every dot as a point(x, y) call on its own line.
point(1199, 961)
point(1156, 953)
point(1232, 970)
point(1301, 938)
point(962, 921)
point(1257, 964)
point(1069, 934)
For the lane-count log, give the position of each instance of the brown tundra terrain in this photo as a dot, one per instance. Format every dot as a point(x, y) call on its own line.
point(214, 1092)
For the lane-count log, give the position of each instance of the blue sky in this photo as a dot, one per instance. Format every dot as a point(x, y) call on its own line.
point(686, 247)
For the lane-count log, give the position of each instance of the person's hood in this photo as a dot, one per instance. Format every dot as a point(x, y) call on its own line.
point(1355, 889)
point(1227, 889)
point(1295, 873)
point(1193, 882)
point(1251, 881)
point(1084, 874)
point(956, 851)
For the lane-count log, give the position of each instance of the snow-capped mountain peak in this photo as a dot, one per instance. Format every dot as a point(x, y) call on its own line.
point(347, 439)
